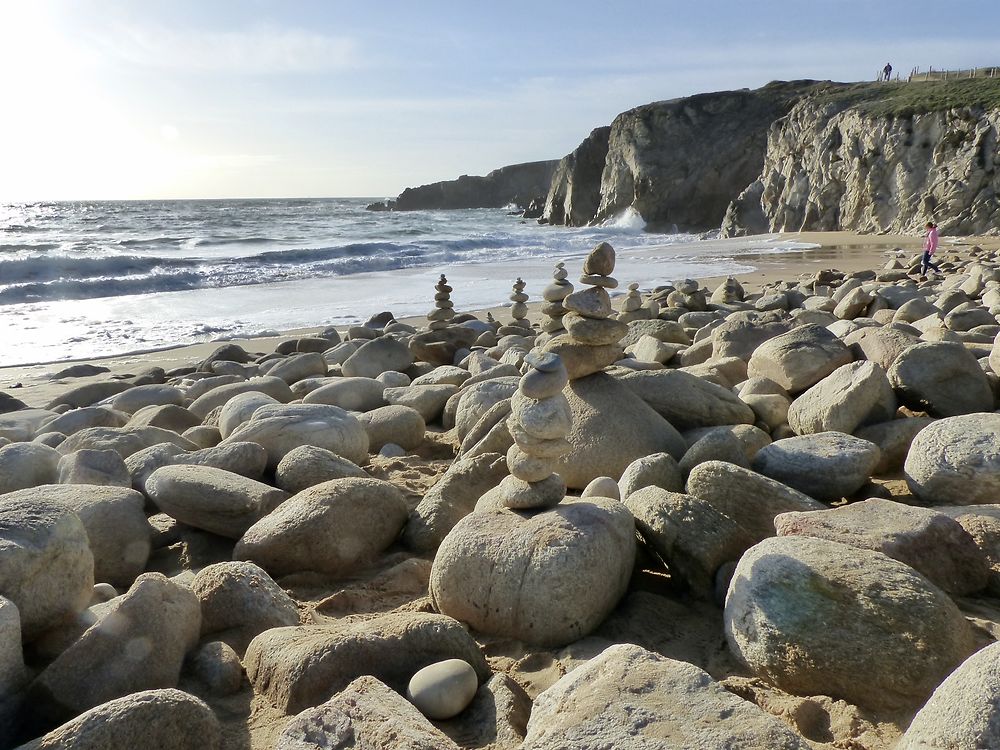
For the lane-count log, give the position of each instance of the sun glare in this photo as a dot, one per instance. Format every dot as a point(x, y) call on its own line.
point(66, 135)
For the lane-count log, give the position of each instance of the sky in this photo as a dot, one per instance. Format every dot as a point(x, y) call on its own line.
point(107, 99)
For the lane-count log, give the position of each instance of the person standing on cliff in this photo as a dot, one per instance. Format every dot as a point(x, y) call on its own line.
point(930, 247)
point(887, 72)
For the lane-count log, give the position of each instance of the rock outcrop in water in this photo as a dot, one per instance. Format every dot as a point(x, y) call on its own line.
point(575, 193)
point(519, 184)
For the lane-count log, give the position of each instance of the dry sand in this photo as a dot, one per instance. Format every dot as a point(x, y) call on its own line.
point(845, 251)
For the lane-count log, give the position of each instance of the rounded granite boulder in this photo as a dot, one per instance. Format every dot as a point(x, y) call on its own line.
point(815, 617)
point(546, 578)
point(329, 528)
point(46, 566)
point(826, 466)
point(956, 461)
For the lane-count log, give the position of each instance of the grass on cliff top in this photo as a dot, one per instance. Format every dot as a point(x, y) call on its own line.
point(905, 99)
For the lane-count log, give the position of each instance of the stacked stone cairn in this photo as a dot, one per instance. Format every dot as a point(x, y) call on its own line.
point(539, 423)
point(632, 308)
point(444, 309)
point(553, 309)
point(519, 326)
point(591, 342)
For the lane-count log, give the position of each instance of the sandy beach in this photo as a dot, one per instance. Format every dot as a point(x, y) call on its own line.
point(364, 505)
point(844, 251)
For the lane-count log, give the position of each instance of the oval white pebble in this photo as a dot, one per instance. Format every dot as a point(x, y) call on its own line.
point(443, 690)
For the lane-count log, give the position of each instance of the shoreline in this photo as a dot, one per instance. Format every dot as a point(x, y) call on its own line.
point(846, 251)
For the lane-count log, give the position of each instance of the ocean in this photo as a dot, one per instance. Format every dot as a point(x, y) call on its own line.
point(98, 278)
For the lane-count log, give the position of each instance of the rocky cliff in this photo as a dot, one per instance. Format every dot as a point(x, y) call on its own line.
point(575, 193)
point(517, 183)
point(681, 162)
point(887, 161)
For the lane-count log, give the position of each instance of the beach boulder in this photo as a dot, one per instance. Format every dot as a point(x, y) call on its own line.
point(963, 712)
point(689, 534)
point(428, 401)
point(750, 499)
point(27, 465)
point(880, 346)
point(281, 428)
point(22, 425)
point(881, 619)
point(893, 439)
point(296, 367)
point(169, 417)
point(477, 399)
point(740, 334)
point(686, 400)
point(240, 408)
point(89, 394)
point(154, 394)
point(138, 643)
point(853, 395)
point(956, 461)
point(238, 601)
point(80, 419)
point(46, 566)
point(629, 697)
point(330, 528)
point(394, 424)
point(439, 347)
point(274, 387)
point(123, 440)
point(117, 531)
point(826, 466)
point(545, 578)
point(379, 355)
point(612, 427)
point(654, 470)
point(367, 713)
point(452, 498)
point(309, 465)
point(300, 667)
point(352, 394)
point(206, 498)
point(167, 718)
point(942, 378)
point(800, 358)
point(930, 542)
point(104, 468)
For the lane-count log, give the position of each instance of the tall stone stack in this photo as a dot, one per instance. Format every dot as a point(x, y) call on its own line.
point(553, 309)
point(539, 423)
point(444, 309)
point(519, 326)
point(591, 341)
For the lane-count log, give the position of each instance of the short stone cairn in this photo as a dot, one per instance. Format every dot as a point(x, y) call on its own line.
point(444, 309)
point(520, 325)
point(539, 423)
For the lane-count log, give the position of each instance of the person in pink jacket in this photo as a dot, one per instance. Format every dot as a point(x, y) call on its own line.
point(930, 247)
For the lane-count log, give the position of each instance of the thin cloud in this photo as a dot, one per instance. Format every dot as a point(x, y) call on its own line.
point(253, 51)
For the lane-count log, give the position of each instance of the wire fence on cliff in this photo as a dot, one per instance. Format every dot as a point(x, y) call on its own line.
point(952, 75)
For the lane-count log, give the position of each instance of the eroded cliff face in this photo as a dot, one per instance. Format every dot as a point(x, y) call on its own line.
point(575, 193)
point(681, 162)
point(830, 167)
point(517, 183)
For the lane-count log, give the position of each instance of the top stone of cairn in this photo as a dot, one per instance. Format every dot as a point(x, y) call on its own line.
point(601, 261)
